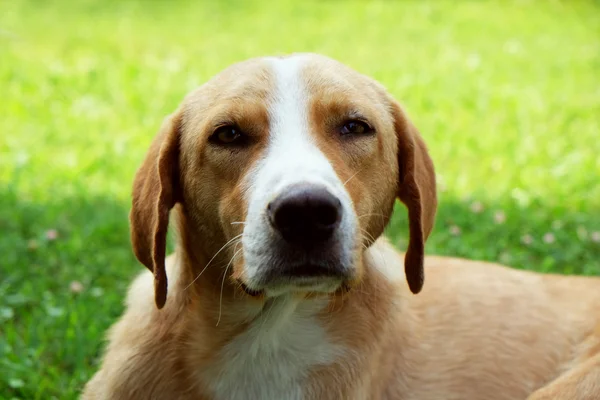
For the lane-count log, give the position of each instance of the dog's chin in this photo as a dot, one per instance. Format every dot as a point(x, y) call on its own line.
point(301, 279)
point(313, 286)
point(301, 286)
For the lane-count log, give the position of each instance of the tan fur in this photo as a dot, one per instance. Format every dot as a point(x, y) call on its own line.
point(476, 330)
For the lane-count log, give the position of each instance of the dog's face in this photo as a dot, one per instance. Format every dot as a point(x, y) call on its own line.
point(297, 161)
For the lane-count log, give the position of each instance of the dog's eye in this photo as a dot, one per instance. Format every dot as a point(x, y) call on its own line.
point(227, 134)
point(355, 127)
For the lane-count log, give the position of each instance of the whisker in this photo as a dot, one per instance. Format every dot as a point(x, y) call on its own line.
point(216, 254)
point(367, 235)
point(369, 214)
point(353, 175)
point(238, 223)
point(266, 314)
point(223, 284)
point(333, 304)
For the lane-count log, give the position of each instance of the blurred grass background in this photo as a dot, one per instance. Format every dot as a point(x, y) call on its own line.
point(506, 94)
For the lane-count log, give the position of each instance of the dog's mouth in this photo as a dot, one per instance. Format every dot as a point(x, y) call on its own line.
point(251, 292)
point(308, 271)
point(299, 278)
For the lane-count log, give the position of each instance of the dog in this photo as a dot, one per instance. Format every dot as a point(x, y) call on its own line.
point(281, 174)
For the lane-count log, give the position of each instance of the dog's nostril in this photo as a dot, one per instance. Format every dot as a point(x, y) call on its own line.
point(305, 213)
point(285, 217)
point(326, 214)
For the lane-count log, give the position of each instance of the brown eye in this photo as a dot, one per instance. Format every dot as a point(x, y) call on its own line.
point(227, 135)
point(355, 127)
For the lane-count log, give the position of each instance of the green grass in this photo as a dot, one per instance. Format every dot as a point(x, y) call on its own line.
point(506, 94)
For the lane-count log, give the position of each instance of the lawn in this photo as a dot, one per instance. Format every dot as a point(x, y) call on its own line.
point(506, 94)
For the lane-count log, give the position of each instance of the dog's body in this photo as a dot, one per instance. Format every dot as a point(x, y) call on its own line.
point(269, 320)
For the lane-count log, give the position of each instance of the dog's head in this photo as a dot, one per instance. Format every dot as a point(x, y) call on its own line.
point(300, 160)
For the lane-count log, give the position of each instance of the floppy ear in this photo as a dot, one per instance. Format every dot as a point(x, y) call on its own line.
point(417, 190)
point(155, 192)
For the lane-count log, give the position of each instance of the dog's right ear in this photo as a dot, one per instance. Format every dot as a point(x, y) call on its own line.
point(155, 191)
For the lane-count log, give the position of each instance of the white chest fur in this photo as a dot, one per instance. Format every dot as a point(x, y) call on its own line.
point(273, 357)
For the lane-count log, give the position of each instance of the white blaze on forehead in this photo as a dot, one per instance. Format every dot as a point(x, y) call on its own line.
point(290, 103)
point(292, 154)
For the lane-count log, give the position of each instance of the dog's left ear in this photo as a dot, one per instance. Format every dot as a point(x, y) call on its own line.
point(417, 190)
point(155, 191)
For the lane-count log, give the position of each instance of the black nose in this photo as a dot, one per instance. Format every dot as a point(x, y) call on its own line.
point(305, 214)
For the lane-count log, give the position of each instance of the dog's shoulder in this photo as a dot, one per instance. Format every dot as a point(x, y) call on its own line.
point(141, 344)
